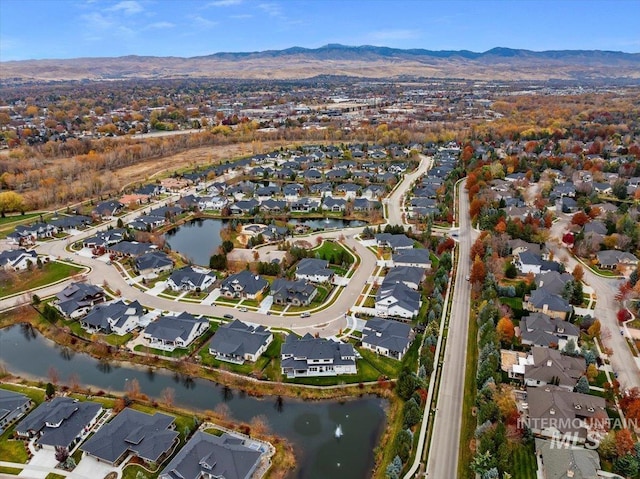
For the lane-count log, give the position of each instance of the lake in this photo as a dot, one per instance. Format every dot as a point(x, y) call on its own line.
point(197, 239)
point(309, 425)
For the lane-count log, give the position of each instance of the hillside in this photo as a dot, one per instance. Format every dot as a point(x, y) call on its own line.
point(362, 61)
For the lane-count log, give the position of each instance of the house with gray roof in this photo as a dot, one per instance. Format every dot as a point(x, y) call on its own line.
point(350, 190)
point(539, 329)
point(304, 205)
point(397, 300)
point(149, 437)
point(244, 284)
point(18, 259)
point(314, 270)
point(611, 259)
point(548, 366)
point(273, 205)
point(296, 293)
point(189, 278)
point(13, 406)
point(105, 238)
point(387, 337)
point(70, 223)
point(416, 257)
point(408, 275)
point(130, 249)
point(309, 356)
point(363, 205)
point(238, 342)
point(61, 422)
point(553, 281)
point(171, 332)
point(151, 264)
point(396, 242)
point(244, 206)
point(108, 208)
point(334, 204)
point(552, 410)
point(115, 317)
point(29, 234)
point(573, 462)
point(220, 457)
point(542, 301)
point(77, 299)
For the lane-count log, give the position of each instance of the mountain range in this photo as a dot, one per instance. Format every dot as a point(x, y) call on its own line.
point(334, 59)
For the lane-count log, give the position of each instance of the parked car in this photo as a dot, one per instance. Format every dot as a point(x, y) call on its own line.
point(305, 315)
point(243, 310)
point(228, 316)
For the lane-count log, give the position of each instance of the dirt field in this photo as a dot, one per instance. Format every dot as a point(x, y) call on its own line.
point(207, 155)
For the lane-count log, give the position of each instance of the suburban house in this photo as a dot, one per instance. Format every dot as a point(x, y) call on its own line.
point(189, 278)
point(611, 259)
point(244, 206)
point(314, 270)
point(542, 301)
point(17, 259)
point(238, 342)
point(296, 293)
point(539, 329)
point(115, 317)
point(244, 284)
point(394, 241)
point(105, 238)
point(130, 249)
point(397, 300)
point(61, 422)
point(543, 366)
point(171, 332)
point(304, 205)
point(308, 356)
point(528, 262)
point(334, 204)
point(71, 223)
point(150, 265)
point(29, 234)
point(553, 281)
point(574, 462)
point(552, 410)
point(206, 456)
point(77, 299)
point(149, 437)
point(407, 275)
point(108, 208)
point(415, 257)
point(387, 337)
point(13, 406)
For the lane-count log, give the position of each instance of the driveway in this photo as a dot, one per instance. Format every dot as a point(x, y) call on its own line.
point(42, 463)
point(90, 468)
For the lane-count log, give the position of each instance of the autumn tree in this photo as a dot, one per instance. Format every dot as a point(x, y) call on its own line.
point(580, 218)
point(624, 442)
point(578, 273)
point(168, 396)
point(505, 330)
point(10, 202)
point(594, 329)
point(478, 271)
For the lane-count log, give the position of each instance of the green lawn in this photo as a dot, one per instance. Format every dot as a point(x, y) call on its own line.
point(50, 273)
point(524, 462)
point(18, 218)
point(515, 304)
point(330, 249)
point(272, 352)
point(115, 340)
point(10, 470)
point(53, 475)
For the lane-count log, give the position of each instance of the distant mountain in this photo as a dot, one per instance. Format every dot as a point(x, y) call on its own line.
point(334, 59)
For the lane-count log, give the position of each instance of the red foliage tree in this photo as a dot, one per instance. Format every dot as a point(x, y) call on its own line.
point(580, 218)
point(623, 315)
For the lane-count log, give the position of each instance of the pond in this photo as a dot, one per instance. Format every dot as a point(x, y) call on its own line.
point(311, 426)
point(197, 239)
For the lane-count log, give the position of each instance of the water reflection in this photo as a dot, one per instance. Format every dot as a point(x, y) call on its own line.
point(104, 366)
point(27, 331)
point(67, 353)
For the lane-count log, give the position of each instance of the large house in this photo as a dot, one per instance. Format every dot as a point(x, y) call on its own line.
point(61, 422)
point(394, 241)
point(148, 437)
point(387, 337)
point(18, 259)
point(296, 293)
point(206, 456)
point(544, 366)
point(115, 317)
point(77, 299)
point(13, 406)
point(610, 259)
point(171, 332)
point(558, 462)
point(308, 356)
point(314, 270)
point(397, 300)
point(244, 284)
point(29, 234)
point(150, 265)
point(190, 279)
point(542, 301)
point(418, 258)
point(538, 329)
point(238, 342)
point(408, 275)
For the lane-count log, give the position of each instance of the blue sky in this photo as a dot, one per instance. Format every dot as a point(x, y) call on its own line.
point(103, 28)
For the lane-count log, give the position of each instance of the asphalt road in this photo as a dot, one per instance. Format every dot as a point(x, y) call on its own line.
point(327, 322)
point(622, 360)
point(395, 200)
point(442, 461)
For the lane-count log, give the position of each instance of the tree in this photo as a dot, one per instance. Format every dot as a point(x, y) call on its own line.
point(168, 396)
point(582, 386)
point(49, 390)
point(578, 273)
point(607, 446)
point(626, 466)
point(580, 218)
point(61, 453)
point(505, 330)
point(570, 348)
point(402, 444)
point(11, 201)
point(594, 329)
point(478, 271)
point(592, 372)
point(511, 271)
point(411, 412)
point(624, 442)
point(407, 384)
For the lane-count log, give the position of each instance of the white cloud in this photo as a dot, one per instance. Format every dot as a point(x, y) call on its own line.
point(128, 7)
point(159, 26)
point(202, 22)
point(224, 3)
point(242, 16)
point(96, 21)
point(271, 9)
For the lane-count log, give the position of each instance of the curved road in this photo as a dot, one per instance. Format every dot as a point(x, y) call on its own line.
point(327, 322)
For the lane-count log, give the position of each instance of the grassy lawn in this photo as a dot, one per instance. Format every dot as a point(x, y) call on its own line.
point(524, 462)
point(601, 378)
point(329, 250)
point(10, 470)
point(36, 395)
point(271, 354)
point(50, 273)
point(176, 353)
point(18, 218)
point(53, 475)
point(12, 450)
point(115, 340)
point(387, 366)
point(515, 304)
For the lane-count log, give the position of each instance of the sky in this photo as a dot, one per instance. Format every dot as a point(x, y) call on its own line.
point(36, 29)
